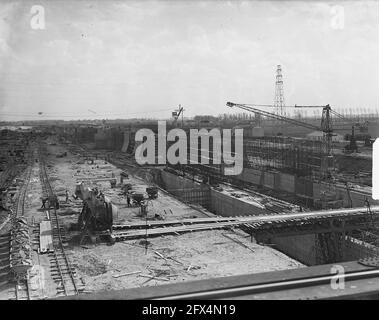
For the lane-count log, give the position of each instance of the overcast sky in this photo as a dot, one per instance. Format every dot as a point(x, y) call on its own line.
point(122, 59)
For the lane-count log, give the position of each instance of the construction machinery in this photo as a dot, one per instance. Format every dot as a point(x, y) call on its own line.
point(152, 192)
point(97, 213)
point(325, 127)
point(329, 198)
point(176, 114)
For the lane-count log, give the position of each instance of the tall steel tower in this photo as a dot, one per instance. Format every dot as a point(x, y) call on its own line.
point(279, 94)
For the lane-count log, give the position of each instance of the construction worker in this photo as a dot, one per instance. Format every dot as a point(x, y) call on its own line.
point(128, 200)
point(367, 204)
point(43, 203)
point(56, 202)
point(67, 197)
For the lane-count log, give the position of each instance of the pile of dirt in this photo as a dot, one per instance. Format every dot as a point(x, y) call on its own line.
point(91, 265)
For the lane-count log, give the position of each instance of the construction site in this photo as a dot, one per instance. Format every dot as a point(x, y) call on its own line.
point(156, 152)
point(80, 216)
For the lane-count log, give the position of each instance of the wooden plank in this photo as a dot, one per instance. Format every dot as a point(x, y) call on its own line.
point(125, 274)
point(45, 237)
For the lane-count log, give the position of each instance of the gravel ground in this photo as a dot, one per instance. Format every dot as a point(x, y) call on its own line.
point(191, 256)
point(186, 257)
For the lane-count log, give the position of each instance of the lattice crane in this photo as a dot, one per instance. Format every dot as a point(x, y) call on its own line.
point(176, 114)
point(326, 128)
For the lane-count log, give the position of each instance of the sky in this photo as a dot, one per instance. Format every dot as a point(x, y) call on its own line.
point(126, 59)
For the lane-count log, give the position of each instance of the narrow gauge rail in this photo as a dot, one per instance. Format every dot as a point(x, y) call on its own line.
point(22, 290)
point(62, 271)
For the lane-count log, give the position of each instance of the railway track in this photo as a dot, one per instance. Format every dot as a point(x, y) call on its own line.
point(62, 272)
point(19, 208)
point(4, 258)
point(22, 290)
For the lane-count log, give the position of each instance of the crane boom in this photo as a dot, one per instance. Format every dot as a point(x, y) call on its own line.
point(273, 115)
point(325, 127)
point(176, 114)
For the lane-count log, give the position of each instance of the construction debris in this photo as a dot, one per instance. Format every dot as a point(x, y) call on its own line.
point(20, 249)
point(125, 274)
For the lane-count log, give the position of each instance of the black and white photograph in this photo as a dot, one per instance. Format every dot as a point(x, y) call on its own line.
point(189, 150)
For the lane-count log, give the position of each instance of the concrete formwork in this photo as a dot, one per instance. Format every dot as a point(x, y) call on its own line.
point(356, 249)
point(225, 205)
point(216, 201)
point(268, 180)
point(357, 198)
point(285, 182)
point(299, 186)
point(185, 189)
point(301, 248)
point(303, 187)
point(250, 175)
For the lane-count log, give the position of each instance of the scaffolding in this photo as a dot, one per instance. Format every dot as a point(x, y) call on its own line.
point(297, 156)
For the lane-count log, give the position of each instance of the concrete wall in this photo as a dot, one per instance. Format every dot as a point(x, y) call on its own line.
point(356, 249)
point(301, 248)
point(272, 180)
point(250, 175)
point(216, 201)
point(186, 189)
point(268, 180)
point(228, 206)
point(357, 198)
point(284, 182)
point(299, 186)
point(303, 187)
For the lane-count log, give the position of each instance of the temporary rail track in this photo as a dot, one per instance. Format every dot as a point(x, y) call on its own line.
point(4, 257)
point(22, 291)
point(19, 208)
point(300, 222)
point(61, 270)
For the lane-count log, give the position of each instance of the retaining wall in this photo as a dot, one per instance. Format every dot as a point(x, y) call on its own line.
point(228, 206)
point(186, 189)
point(301, 248)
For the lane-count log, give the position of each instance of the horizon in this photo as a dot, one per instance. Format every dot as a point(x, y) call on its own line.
point(110, 60)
